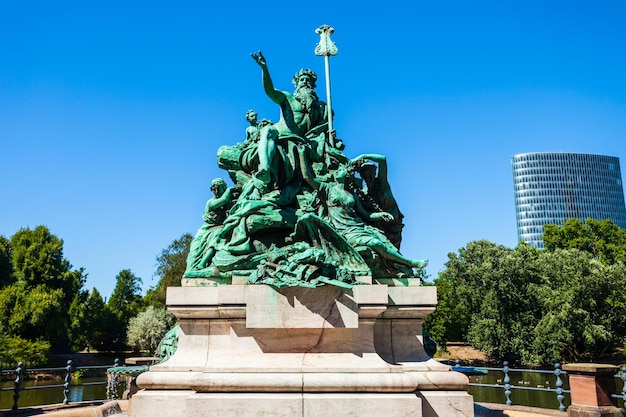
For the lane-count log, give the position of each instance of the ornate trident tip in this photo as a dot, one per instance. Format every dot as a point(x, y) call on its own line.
point(325, 47)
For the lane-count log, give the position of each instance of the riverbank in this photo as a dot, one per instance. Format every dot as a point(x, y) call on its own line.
point(466, 354)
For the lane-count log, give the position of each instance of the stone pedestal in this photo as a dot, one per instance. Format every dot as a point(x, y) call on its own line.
point(252, 350)
point(591, 385)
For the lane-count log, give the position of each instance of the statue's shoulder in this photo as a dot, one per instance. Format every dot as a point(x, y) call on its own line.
point(289, 96)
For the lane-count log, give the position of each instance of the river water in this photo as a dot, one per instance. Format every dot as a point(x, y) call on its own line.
point(528, 392)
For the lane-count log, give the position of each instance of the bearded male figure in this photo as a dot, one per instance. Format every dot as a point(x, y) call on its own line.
point(303, 119)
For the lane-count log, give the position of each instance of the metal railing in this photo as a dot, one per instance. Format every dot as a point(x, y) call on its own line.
point(112, 383)
point(505, 382)
point(509, 388)
point(66, 371)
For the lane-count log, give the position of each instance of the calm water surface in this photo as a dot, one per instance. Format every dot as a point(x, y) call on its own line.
point(523, 395)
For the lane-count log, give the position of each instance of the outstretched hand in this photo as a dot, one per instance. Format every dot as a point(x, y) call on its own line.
point(259, 58)
point(382, 215)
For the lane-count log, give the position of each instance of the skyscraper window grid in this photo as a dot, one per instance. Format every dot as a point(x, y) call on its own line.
point(554, 187)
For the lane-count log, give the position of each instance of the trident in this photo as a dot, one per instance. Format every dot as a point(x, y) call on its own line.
point(326, 48)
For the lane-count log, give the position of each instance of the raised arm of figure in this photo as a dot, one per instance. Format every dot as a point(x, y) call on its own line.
point(381, 160)
point(218, 202)
point(268, 85)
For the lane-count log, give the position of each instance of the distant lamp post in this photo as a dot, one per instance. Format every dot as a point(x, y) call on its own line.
point(326, 48)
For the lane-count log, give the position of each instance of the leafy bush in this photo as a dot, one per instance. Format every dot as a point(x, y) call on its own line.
point(146, 330)
point(16, 349)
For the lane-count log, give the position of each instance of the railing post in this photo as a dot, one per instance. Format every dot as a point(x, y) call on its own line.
point(507, 383)
point(591, 386)
point(68, 380)
point(18, 384)
point(559, 386)
point(623, 378)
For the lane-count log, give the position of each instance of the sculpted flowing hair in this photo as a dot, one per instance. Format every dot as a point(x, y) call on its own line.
point(309, 73)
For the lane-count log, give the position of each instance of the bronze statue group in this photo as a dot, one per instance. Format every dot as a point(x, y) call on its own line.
point(298, 214)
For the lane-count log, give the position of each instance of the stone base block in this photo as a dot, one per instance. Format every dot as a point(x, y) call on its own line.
point(183, 403)
point(162, 403)
point(369, 404)
point(446, 403)
point(189, 404)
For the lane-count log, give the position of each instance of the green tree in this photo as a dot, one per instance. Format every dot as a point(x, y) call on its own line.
point(38, 260)
point(125, 302)
point(6, 264)
point(531, 306)
point(78, 328)
point(91, 321)
point(461, 288)
point(34, 313)
point(602, 239)
point(36, 294)
point(583, 307)
point(146, 330)
point(508, 309)
point(171, 265)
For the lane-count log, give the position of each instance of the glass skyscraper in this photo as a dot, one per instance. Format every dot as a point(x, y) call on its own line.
point(554, 187)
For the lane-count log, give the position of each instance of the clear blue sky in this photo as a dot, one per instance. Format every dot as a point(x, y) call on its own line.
point(111, 113)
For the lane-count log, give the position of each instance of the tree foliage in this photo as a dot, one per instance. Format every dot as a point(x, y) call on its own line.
point(91, 323)
point(16, 349)
point(508, 306)
point(584, 309)
point(146, 330)
point(126, 300)
point(37, 285)
point(603, 239)
point(171, 265)
point(459, 289)
point(34, 313)
point(37, 259)
point(6, 263)
point(528, 305)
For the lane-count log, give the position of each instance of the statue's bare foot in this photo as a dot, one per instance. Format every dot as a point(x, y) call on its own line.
point(420, 263)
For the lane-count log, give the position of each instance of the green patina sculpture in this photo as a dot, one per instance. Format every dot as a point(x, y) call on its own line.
point(297, 215)
point(377, 195)
point(345, 212)
point(207, 241)
point(168, 345)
